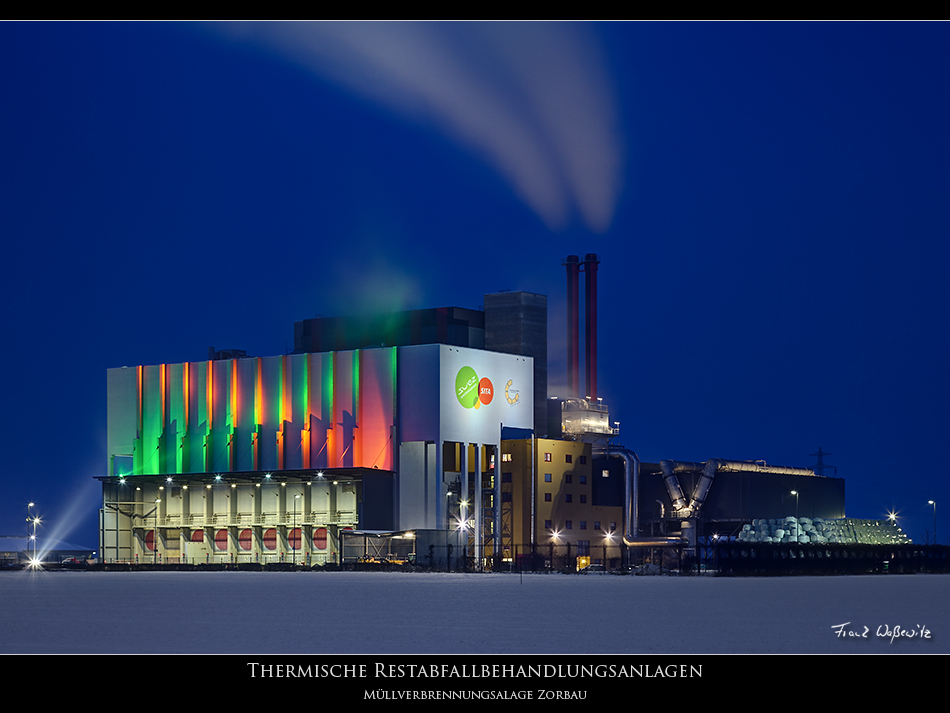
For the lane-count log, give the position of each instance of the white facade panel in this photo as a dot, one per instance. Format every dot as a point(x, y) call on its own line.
point(481, 391)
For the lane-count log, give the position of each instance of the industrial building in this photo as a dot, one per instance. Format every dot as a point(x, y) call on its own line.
point(431, 425)
point(266, 459)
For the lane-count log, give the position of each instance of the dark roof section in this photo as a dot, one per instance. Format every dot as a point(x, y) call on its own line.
point(456, 326)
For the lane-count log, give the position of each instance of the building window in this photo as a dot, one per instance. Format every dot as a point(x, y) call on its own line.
point(596, 524)
point(568, 478)
point(547, 497)
point(506, 497)
point(583, 460)
point(567, 498)
point(568, 458)
point(506, 477)
point(547, 477)
point(547, 457)
point(569, 525)
point(506, 457)
point(605, 473)
point(547, 524)
point(583, 498)
point(583, 548)
point(583, 480)
point(583, 524)
point(613, 526)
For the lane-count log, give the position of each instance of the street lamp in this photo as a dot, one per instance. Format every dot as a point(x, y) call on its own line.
point(931, 502)
point(34, 519)
point(795, 493)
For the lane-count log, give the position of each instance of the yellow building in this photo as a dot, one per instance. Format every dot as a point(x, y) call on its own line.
point(549, 506)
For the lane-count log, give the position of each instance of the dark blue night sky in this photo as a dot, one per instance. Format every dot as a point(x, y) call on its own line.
point(770, 203)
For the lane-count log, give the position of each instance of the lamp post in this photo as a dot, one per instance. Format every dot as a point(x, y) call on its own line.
point(34, 519)
point(795, 493)
point(931, 502)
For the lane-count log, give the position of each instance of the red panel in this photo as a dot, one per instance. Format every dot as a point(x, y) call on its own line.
point(344, 411)
point(293, 538)
point(197, 535)
point(150, 540)
point(244, 539)
point(221, 539)
point(375, 409)
point(320, 538)
point(270, 539)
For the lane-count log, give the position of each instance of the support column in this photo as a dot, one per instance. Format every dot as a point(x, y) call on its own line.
point(184, 536)
point(477, 495)
point(234, 549)
point(282, 548)
point(496, 499)
point(463, 493)
point(440, 506)
point(257, 529)
point(209, 520)
point(307, 529)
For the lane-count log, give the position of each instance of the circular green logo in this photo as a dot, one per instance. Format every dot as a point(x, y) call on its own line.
point(466, 387)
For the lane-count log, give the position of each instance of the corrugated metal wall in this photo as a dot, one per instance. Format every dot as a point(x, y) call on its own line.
point(298, 411)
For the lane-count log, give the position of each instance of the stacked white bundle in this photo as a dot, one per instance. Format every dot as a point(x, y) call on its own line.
point(806, 530)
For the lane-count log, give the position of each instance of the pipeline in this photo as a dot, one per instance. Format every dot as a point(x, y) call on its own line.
point(707, 472)
point(631, 487)
point(669, 468)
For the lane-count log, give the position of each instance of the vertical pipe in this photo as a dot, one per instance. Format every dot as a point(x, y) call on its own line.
point(590, 323)
point(534, 475)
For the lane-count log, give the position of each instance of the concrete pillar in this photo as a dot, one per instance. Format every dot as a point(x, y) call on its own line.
point(477, 495)
point(463, 493)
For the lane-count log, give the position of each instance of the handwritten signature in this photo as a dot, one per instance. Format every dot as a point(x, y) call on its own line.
point(843, 631)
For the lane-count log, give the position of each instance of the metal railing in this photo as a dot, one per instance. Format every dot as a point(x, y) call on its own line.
point(319, 519)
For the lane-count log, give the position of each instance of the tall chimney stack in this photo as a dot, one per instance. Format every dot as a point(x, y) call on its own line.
point(590, 323)
point(573, 338)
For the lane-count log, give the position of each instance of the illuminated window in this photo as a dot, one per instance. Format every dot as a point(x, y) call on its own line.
point(506, 457)
point(547, 457)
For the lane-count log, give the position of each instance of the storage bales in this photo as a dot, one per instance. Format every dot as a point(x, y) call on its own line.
point(819, 531)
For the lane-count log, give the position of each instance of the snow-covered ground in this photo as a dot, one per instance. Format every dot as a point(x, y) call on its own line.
point(413, 613)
